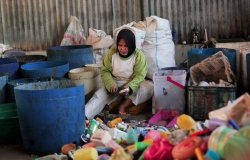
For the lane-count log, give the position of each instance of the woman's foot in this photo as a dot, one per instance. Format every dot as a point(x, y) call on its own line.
point(122, 113)
point(126, 104)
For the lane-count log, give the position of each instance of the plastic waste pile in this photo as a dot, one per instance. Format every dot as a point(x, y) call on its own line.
point(167, 135)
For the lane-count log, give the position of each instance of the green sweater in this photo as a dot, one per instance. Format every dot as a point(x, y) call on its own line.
point(139, 70)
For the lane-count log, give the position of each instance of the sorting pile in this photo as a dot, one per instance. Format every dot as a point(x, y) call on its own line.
point(167, 135)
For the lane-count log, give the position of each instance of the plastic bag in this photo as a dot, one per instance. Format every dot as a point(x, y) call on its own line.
point(100, 42)
point(74, 34)
point(169, 90)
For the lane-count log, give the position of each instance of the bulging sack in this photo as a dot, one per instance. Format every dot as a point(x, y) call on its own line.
point(74, 34)
point(212, 69)
point(138, 31)
point(158, 45)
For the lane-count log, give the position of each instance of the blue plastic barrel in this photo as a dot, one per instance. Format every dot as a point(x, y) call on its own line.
point(51, 114)
point(76, 55)
point(196, 55)
point(45, 69)
point(3, 86)
point(17, 82)
point(29, 58)
point(12, 53)
point(10, 67)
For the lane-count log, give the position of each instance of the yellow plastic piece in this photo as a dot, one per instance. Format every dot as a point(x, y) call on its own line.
point(185, 122)
point(88, 153)
point(114, 122)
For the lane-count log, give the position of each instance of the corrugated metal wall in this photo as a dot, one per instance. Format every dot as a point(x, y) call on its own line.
point(39, 24)
point(222, 18)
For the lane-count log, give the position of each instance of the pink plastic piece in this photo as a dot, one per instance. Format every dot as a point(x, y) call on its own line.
point(160, 150)
point(163, 115)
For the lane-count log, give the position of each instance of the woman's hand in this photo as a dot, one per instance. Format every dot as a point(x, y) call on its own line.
point(124, 91)
point(114, 89)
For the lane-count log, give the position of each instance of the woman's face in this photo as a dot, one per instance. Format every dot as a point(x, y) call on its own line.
point(122, 47)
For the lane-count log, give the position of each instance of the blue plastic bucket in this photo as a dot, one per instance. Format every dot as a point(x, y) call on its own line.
point(17, 82)
point(45, 69)
point(51, 114)
point(76, 55)
point(196, 55)
point(10, 67)
point(3, 86)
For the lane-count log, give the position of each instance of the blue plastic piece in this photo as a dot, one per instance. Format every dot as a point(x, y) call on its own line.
point(10, 67)
point(3, 86)
point(233, 124)
point(212, 155)
point(51, 114)
point(76, 55)
point(45, 69)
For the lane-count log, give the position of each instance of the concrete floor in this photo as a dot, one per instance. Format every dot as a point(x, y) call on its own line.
point(17, 152)
point(14, 152)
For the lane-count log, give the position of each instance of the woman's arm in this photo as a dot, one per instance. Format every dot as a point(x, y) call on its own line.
point(106, 70)
point(140, 70)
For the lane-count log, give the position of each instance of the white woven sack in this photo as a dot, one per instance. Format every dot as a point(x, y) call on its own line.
point(158, 45)
point(138, 32)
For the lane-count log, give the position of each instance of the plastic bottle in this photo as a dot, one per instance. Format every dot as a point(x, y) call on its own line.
point(118, 134)
point(132, 137)
point(112, 144)
point(93, 126)
point(105, 127)
point(139, 146)
point(122, 126)
point(214, 123)
point(114, 122)
point(99, 120)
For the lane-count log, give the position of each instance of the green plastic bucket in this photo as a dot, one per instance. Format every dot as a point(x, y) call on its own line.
point(9, 124)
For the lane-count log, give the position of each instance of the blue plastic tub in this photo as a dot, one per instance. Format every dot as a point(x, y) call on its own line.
point(10, 67)
point(196, 55)
point(45, 69)
point(51, 114)
point(3, 86)
point(76, 55)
